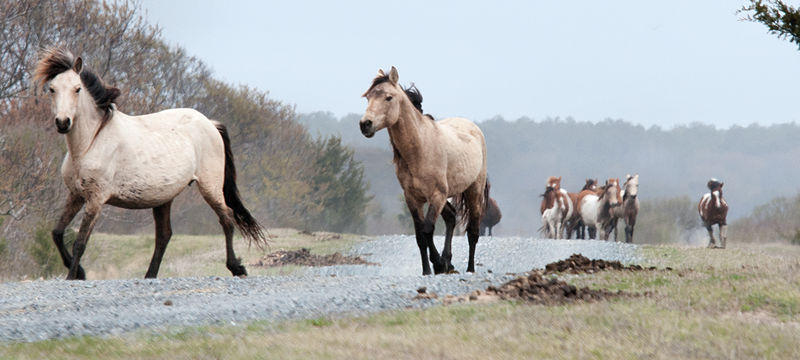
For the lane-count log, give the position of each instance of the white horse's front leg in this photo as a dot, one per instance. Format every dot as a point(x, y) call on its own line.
point(92, 212)
point(723, 235)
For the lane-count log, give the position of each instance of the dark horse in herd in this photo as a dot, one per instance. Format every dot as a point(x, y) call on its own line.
point(713, 210)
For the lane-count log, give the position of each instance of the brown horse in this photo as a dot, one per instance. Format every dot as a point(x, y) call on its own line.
point(433, 160)
point(491, 217)
point(556, 208)
point(575, 223)
point(136, 162)
point(713, 210)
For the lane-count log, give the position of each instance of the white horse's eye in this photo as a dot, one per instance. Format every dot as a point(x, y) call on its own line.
point(388, 98)
point(77, 90)
point(51, 90)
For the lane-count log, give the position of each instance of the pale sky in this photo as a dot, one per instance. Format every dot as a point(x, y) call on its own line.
point(648, 62)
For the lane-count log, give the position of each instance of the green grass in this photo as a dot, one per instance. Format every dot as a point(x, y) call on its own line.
point(743, 302)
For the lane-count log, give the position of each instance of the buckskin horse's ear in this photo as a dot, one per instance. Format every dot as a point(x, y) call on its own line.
point(393, 76)
point(78, 65)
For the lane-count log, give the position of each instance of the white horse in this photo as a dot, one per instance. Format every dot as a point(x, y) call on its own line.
point(136, 162)
point(596, 208)
point(556, 208)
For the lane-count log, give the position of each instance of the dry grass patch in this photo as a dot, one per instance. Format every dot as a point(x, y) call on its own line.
point(110, 256)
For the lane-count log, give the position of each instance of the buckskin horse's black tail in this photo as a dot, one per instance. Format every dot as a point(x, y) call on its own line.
point(247, 225)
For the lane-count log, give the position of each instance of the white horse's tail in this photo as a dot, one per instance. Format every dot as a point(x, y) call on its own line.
point(247, 225)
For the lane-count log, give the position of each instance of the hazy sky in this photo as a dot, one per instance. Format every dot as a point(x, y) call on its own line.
point(648, 62)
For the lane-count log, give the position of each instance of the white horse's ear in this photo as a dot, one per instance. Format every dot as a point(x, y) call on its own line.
point(78, 65)
point(393, 76)
point(628, 176)
point(380, 73)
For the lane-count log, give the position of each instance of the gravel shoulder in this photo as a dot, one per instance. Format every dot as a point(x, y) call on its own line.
point(40, 310)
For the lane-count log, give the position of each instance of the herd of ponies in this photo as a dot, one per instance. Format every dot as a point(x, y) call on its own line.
point(145, 161)
point(598, 209)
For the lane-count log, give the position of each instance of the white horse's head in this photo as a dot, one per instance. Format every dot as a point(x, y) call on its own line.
point(72, 89)
point(384, 99)
point(632, 186)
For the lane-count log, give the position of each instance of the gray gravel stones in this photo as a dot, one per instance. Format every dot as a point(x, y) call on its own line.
point(39, 310)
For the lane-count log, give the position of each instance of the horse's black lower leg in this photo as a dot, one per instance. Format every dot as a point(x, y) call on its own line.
point(449, 217)
point(87, 224)
point(592, 232)
point(231, 262)
point(472, 237)
point(422, 243)
point(490, 231)
point(163, 234)
point(71, 208)
point(428, 226)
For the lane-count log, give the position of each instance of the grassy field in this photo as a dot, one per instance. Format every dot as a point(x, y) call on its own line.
point(128, 256)
point(743, 302)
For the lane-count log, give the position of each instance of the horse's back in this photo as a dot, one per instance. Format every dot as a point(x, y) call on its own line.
point(464, 145)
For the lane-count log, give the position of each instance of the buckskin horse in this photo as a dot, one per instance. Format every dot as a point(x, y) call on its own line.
point(434, 160)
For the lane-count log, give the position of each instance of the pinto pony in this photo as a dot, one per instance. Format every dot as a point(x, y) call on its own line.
point(713, 210)
point(596, 208)
point(556, 208)
point(136, 162)
point(434, 160)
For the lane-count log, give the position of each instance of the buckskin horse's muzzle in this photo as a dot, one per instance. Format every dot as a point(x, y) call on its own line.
point(366, 128)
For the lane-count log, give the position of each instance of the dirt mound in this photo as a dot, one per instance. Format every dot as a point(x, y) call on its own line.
point(536, 288)
point(304, 257)
point(579, 264)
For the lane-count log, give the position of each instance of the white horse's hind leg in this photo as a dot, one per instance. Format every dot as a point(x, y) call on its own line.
point(214, 197)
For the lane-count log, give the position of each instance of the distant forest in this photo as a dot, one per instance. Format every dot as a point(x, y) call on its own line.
point(755, 162)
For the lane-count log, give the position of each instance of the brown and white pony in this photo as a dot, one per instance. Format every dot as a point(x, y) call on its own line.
point(713, 210)
point(595, 208)
point(556, 208)
point(491, 217)
point(575, 223)
point(434, 160)
point(136, 162)
point(629, 209)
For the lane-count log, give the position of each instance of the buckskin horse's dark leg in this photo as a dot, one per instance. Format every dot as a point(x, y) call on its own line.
point(449, 217)
point(427, 229)
point(71, 208)
point(163, 234)
point(422, 241)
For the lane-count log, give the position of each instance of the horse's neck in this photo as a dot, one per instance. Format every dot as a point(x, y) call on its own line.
point(409, 135)
point(85, 127)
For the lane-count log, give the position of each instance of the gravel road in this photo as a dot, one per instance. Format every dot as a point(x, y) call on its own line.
point(39, 310)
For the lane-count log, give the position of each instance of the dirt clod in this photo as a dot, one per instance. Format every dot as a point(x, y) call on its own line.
point(304, 257)
point(578, 264)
